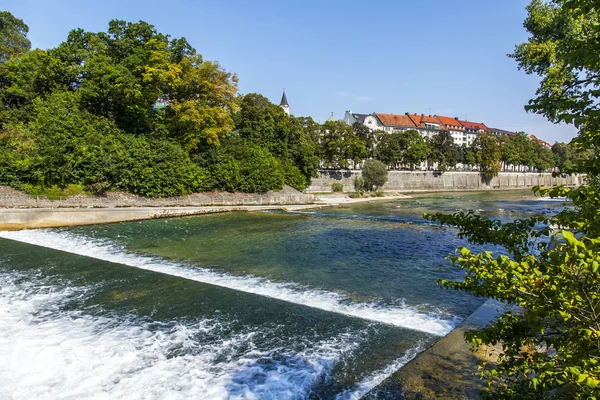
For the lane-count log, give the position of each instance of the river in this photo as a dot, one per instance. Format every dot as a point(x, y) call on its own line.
point(321, 304)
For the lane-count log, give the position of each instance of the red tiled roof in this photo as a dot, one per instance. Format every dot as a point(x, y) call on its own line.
point(540, 141)
point(451, 123)
point(477, 126)
point(395, 120)
point(421, 120)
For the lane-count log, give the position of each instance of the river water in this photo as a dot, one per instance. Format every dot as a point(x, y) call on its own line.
point(321, 304)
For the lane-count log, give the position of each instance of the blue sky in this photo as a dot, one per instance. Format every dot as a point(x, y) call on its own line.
point(430, 56)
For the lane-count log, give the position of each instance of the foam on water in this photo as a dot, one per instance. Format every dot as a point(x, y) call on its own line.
point(402, 316)
point(47, 352)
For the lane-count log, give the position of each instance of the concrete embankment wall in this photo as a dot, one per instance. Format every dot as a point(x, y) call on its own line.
point(10, 198)
point(446, 370)
point(431, 181)
point(21, 211)
point(29, 218)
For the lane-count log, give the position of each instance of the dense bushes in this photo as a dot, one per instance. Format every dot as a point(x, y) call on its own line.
point(246, 167)
point(68, 146)
point(131, 109)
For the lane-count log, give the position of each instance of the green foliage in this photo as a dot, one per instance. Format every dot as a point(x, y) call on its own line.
point(374, 174)
point(337, 187)
point(246, 167)
point(443, 151)
point(292, 176)
point(53, 192)
point(13, 36)
point(303, 146)
point(549, 268)
point(264, 124)
point(341, 145)
point(487, 155)
point(359, 184)
point(127, 109)
point(407, 148)
point(544, 158)
point(563, 51)
point(70, 146)
point(369, 138)
point(389, 150)
point(416, 149)
point(552, 345)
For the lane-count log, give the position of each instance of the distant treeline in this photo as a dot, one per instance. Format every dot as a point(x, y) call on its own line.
point(135, 110)
point(488, 153)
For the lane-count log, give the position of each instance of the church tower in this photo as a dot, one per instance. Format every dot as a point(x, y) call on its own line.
point(284, 104)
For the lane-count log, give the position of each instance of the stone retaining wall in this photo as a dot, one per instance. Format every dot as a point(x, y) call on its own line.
point(431, 181)
point(10, 198)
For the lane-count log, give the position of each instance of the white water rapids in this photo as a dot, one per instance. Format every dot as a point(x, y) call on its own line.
point(401, 316)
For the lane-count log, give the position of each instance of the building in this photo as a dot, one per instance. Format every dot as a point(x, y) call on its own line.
point(455, 129)
point(540, 141)
point(394, 122)
point(502, 132)
point(427, 125)
point(472, 129)
point(368, 120)
point(284, 104)
point(463, 132)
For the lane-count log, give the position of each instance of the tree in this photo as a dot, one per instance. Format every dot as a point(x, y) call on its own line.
point(340, 145)
point(549, 266)
point(369, 137)
point(13, 36)
point(374, 174)
point(389, 149)
point(414, 148)
point(487, 154)
point(562, 50)
point(303, 145)
point(562, 155)
point(509, 154)
point(444, 152)
point(543, 157)
point(468, 155)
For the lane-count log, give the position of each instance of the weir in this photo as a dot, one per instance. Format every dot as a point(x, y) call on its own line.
point(404, 317)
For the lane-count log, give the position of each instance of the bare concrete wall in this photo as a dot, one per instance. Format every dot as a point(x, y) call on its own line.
point(28, 218)
point(10, 198)
point(418, 181)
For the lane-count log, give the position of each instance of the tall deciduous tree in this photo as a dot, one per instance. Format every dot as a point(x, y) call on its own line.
point(341, 145)
point(13, 36)
point(389, 149)
point(487, 154)
point(415, 149)
point(443, 152)
point(551, 347)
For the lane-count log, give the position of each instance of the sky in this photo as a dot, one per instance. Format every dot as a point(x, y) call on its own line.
point(426, 57)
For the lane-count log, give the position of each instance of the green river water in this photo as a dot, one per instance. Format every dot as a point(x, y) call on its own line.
point(319, 304)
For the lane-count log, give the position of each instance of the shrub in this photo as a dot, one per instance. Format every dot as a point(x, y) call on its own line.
point(246, 167)
point(374, 174)
point(359, 184)
point(337, 187)
point(293, 177)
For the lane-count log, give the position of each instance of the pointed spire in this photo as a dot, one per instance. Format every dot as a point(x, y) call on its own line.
point(284, 102)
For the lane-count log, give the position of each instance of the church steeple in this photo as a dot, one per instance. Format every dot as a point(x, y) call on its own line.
point(284, 104)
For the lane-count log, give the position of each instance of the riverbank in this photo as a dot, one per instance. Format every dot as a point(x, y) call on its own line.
point(26, 212)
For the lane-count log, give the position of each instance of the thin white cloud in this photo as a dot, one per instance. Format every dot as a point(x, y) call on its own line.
point(353, 96)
